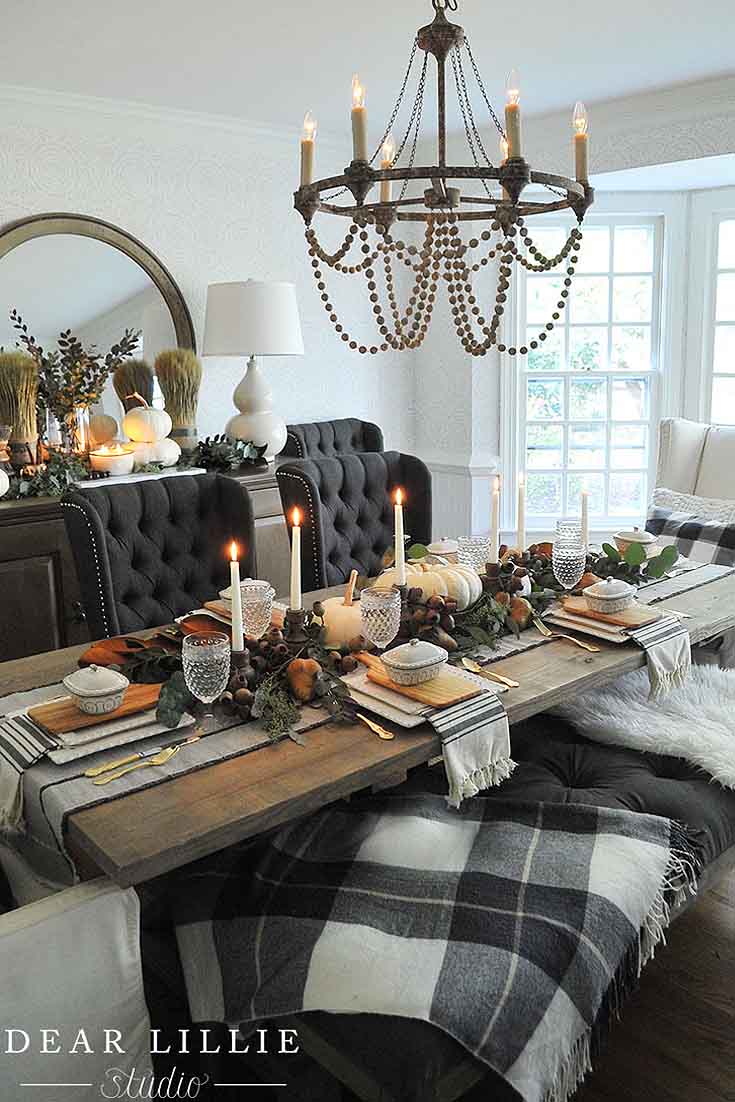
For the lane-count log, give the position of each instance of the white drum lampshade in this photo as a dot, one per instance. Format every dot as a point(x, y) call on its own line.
point(253, 318)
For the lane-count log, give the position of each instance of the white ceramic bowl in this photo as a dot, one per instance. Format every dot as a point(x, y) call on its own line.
point(612, 595)
point(623, 540)
point(95, 690)
point(414, 662)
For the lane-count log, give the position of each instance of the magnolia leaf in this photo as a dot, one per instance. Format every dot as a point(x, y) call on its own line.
point(417, 551)
point(611, 552)
point(669, 555)
point(634, 554)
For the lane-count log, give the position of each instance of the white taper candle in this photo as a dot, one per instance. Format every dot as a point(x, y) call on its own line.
point(399, 551)
point(295, 594)
point(495, 522)
point(238, 641)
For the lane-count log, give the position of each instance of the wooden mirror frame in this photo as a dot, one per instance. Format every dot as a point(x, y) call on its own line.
point(82, 225)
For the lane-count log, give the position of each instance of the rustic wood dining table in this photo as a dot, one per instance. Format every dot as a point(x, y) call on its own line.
point(139, 836)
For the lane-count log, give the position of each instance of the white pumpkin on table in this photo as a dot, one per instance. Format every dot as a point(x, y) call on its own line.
point(342, 616)
point(102, 429)
point(148, 429)
point(459, 582)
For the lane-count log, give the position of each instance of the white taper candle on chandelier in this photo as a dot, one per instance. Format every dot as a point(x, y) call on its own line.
point(585, 516)
point(581, 142)
point(238, 640)
point(359, 121)
point(495, 522)
point(399, 550)
point(521, 536)
point(513, 114)
point(295, 594)
point(388, 153)
point(307, 149)
point(504, 158)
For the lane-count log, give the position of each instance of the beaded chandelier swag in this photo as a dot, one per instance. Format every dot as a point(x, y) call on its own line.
point(443, 254)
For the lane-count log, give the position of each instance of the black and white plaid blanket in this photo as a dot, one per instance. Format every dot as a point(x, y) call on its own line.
point(695, 537)
point(518, 928)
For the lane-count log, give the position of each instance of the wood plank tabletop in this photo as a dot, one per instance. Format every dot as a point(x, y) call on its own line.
point(145, 834)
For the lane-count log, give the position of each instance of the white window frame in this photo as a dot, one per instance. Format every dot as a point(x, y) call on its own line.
point(671, 210)
point(709, 208)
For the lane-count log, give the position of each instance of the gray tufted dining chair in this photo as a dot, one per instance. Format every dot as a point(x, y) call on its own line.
point(343, 436)
point(149, 551)
point(346, 502)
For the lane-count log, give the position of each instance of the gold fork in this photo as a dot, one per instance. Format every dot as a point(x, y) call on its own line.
point(541, 626)
point(158, 759)
point(489, 675)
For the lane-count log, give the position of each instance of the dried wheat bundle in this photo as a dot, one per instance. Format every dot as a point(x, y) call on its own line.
point(18, 393)
point(179, 373)
point(133, 377)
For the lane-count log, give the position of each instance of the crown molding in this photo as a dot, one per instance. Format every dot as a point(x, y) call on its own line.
point(103, 107)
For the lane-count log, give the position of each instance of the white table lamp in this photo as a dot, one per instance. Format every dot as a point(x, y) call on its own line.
point(252, 319)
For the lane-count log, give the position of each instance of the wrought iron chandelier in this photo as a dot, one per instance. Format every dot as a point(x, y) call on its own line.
point(442, 254)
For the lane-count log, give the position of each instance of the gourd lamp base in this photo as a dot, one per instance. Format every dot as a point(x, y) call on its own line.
point(256, 422)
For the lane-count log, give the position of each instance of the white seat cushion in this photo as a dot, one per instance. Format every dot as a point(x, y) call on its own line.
point(680, 446)
point(72, 962)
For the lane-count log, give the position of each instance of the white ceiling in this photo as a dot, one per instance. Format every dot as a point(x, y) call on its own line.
point(708, 172)
point(64, 281)
point(269, 62)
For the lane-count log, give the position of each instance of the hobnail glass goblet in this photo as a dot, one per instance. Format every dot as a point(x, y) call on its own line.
point(380, 615)
point(206, 660)
point(569, 554)
point(474, 551)
point(257, 607)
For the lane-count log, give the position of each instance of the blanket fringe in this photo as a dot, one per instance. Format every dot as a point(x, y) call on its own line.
point(665, 680)
point(488, 776)
point(680, 881)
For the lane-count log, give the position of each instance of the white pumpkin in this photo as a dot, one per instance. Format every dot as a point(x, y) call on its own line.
point(145, 425)
point(342, 622)
point(102, 429)
point(166, 452)
point(461, 583)
point(4, 483)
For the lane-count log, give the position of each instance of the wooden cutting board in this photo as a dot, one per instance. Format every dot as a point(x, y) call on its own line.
point(59, 717)
point(220, 608)
point(442, 691)
point(634, 617)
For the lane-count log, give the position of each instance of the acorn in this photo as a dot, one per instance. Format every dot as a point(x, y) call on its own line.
point(349, 664)
point(243, 696)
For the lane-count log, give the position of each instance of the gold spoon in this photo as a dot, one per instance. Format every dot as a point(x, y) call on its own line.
point(560, 635)
point(475, 667)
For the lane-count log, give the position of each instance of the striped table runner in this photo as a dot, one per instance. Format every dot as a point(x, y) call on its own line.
point(668, 653)
point(22, 744)
point(475, 744)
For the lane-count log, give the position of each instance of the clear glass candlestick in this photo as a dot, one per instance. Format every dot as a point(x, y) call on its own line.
point(569, 555)
point(380, 615)
point(257, 607)
point(206, 660)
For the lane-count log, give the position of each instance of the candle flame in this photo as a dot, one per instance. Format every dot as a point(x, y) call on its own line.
point(233, 551)
point(513, 90)
point(296, 518)
point(504, 148)
point(389, 148)
point(309, 132)
point(579, 118)
point(399, 496)
point(358, 92)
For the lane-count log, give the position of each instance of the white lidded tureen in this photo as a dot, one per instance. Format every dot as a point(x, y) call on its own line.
point(610, 595)
point(414, 662)
point(96, 690)
point(623, 540)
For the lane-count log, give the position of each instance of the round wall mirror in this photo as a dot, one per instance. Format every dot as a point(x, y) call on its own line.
point(68, 271)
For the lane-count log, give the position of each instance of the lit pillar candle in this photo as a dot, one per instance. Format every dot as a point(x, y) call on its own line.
point(513, 114)
point(295, 596)
point(521, 537)
point(399, 550)
point(359, 121)
point(585, 517)
point(495, 522)
point(307, 149)
point(503, 159)
point(581, 143)
point(238, 641)
point(389, 152)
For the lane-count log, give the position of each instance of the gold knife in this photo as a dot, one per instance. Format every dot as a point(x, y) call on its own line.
point(509, 683)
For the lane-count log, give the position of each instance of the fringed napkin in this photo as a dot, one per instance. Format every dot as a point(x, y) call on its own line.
point(668, 653)
point(475, 743)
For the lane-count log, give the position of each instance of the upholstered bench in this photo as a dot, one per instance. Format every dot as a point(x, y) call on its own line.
point(385, 1059)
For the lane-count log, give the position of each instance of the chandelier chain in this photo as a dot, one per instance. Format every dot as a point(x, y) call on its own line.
point(481, 86)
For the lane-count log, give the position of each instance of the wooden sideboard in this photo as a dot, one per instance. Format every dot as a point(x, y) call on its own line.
point(40, 607)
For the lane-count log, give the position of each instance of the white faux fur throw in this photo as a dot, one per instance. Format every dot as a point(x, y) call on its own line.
point(695, 721)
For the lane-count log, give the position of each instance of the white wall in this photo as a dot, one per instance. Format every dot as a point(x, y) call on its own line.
point(213, 199)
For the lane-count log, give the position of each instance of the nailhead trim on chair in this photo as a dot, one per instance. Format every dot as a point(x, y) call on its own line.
point(302, 480)
point(73, 505)
point(297, 442)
